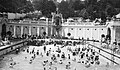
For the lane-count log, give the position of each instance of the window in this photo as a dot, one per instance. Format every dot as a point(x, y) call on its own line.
point(71, 28)
point(102, 29)
point(95, 29)
point(87, 29)
point(79, 29)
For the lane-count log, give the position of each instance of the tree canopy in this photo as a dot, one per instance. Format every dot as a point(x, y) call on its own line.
point(87, 9)
point(65, 9)
point(15, 6)
point(45, 6)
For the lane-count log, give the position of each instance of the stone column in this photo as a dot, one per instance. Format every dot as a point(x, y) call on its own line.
point(51, 30)
point(46, 30)
point(67, 31)
point(0, 30)
point(75, 33)
point(98, 30)
point(29, 30)
point(113, 29)
point(21, 31)
point(14, 31)
point(84, 34)
point(38, 31)
point(63, 32)
point(47, 26)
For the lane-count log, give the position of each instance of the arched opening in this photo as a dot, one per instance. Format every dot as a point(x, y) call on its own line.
point(3, 33)
point(108, 34)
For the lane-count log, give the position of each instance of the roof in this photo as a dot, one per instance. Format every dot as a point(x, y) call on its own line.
point(118, 15)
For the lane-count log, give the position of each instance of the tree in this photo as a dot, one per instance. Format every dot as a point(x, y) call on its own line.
point(91, 2)
point(14, 5)
point(27, 7)
point(117, 4)
point(78, 5)
point(38, 4)
point(111, 11)
point(65, 10)
point(45, 6)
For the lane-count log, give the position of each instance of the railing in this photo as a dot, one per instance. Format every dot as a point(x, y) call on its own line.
point(32, 22)
point(83, 23)
point(79, 23)
point(109, 55)
point(8, 48)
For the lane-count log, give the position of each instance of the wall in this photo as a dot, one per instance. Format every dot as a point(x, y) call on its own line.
point(0, 29)
point(86, 32)
point(117, 34)
point(28, 29)
point(8, 48)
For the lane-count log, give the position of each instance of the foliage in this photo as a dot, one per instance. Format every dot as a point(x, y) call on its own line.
point(65, 9)
point(45, 6)
point(91, 9)
point(15, 6)
point(78, 5)
point(101, 9)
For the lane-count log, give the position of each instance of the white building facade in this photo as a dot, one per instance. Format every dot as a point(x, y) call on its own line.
point(84, 30)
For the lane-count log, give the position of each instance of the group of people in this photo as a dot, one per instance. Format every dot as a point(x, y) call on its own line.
point(83, 55)
point(5, 41)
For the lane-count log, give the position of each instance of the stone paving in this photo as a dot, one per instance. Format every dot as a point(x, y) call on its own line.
point(21, 61)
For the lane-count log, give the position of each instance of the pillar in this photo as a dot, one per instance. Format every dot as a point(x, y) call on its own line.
point(63, 32)
point(46, 30)
point(113, 29)
point(21, 31)
point(75, 35)
point(0, 30)
point(47, 21)
point(83, 32)
point(62, 20)
point(98, 30)
point(67, 31)
point(99, 36)
point(30, 30)
point(51, 31)
point(38, 31)
point(14, 31)
point(112, 34)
